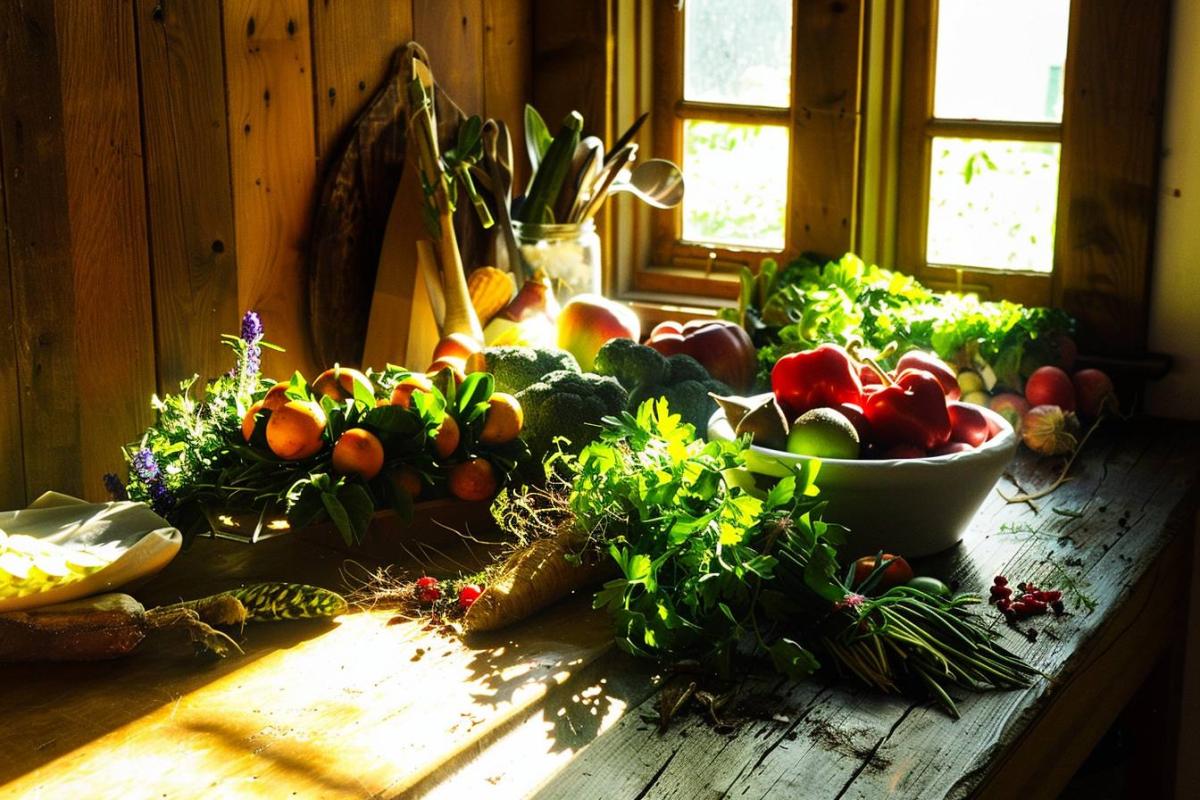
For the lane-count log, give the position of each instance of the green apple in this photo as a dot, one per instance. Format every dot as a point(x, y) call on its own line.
point(970, 381)
point(823, 433)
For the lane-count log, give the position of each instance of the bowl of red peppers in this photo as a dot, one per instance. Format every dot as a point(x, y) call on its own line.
point(904, 463)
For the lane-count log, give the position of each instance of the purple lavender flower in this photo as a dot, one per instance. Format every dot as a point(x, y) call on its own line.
point(162, 501)
point(252, 328)
point(145, 466)
point(116, 489)
point(252, 334)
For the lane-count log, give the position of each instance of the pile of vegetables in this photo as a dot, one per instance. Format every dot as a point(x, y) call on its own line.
point(337, 449)
point(710, 567)
point(805, 303)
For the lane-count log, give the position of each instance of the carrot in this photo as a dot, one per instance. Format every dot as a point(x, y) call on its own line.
point(533, 577)
point(101, 627)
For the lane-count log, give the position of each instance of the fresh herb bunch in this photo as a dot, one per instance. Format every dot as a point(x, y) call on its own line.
point(711, 566)
point(188, 446)
point(808, 303)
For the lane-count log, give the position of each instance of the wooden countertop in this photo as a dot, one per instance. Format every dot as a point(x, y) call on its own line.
point(374, 706)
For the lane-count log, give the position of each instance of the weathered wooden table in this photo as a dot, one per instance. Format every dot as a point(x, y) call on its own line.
point(374, 706)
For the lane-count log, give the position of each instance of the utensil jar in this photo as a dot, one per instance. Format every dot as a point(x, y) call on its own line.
point(569, 255)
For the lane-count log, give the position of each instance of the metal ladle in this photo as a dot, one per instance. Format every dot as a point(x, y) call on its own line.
point(656, 182)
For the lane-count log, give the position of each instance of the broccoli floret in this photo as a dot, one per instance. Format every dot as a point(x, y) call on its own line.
point(568, 404)
point(648, 374)
point(516, 368)
point(632, 364)
point(685, 368)
point(689, 399)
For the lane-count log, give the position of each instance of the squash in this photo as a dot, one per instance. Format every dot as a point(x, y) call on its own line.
point(491, 290)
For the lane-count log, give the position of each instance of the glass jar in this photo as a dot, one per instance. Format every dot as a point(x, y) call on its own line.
point(568, 254)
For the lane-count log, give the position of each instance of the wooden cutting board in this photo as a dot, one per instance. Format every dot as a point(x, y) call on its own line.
point(363, 705)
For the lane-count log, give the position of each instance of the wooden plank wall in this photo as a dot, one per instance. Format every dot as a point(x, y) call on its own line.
point(159, 163)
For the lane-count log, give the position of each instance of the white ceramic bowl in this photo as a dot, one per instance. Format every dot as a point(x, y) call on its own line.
point(912, 507)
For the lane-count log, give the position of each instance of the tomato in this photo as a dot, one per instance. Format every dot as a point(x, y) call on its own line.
point(896, 572)
point(930, 586)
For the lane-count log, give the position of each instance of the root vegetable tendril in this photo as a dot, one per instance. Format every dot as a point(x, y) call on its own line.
point(1062, 476)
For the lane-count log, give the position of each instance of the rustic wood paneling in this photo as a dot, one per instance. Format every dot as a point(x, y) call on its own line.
point(508, 71)
point(192, 242)
point(12, 471)
point(161, 161)
point(39, 241)
point(1112, 124)
point(353, 43)
point(572, 64)
point(107, 207)
point(451, 31)
point(268, 69)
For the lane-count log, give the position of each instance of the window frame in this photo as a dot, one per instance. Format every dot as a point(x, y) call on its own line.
point(823, 112)
point(918, 128)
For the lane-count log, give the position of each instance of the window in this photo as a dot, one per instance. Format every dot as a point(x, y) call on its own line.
point(983, 143)
point(1009, 148)
point(757, 101)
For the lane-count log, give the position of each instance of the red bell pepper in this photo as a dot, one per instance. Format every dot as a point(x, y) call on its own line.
point(915, 359)
point(825, 376)
point(912, 411)
point(967, 424)
point(723, 347)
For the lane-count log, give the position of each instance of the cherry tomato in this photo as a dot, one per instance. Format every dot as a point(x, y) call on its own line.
point(895, 573)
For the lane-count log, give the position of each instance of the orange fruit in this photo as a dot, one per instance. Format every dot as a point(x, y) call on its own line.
point(457, 367)
point(409, 480)
point(249, 421)
point(402, 394)
point(358, 452)
point(338, 383)
point(276, 396)
point(503, 420)
point(473, 479)
point(456, 345)
point(445, 440)
point(294, 430)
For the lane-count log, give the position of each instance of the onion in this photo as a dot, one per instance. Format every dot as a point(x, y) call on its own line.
point(1050, 431)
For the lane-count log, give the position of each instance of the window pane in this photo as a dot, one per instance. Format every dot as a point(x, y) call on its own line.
point(992, 203)
point(736, 177)
point(738, 51)
point(1000, 60)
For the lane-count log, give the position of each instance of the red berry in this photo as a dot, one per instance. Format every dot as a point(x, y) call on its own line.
point(1036, 607)
point(468, 594)
point(1001, 580)
point(1004, 604)
point(1020, 607)
point(1051, 596)
point(426, 582)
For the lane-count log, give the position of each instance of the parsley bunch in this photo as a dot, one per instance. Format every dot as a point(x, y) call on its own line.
point(708, 562)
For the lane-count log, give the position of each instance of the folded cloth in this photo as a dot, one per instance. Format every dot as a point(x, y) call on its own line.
point(134, 541)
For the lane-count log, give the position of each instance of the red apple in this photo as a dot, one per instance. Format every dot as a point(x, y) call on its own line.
point(1010, 406)
point(1095, 393)
point(915, 359)
point(1050, 386)
point(967, 424)
point(587, 321)
point(723, 347)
